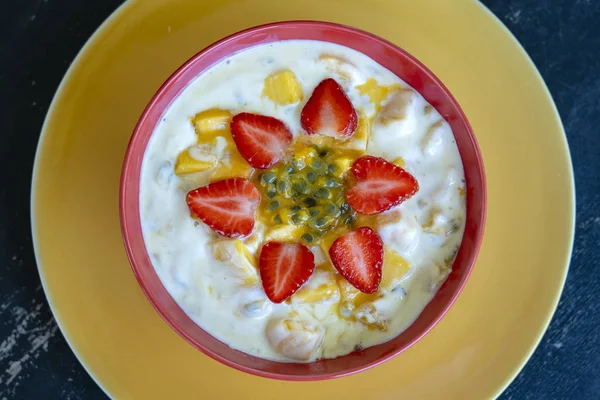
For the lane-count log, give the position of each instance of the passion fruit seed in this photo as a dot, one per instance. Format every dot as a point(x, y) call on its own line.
point(331, 209)
point(271, 190)
point(299, 218)
point(314, 211)
point(330, 182)
point(282, 187)
point(269, 177)
point(308, 238)
point(323, 193)
point(310, 202)
point(300, 186)
point(277, 219)
point(311, 177)
point(273, 206)
point(295, 209)
point(298, 163)
point(321, 222)
point(316, 163)
point(332, 168)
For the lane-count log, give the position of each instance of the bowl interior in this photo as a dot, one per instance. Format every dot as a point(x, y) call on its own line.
point(400, 63)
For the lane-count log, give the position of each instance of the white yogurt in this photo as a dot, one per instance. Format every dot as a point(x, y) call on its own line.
point(204, 273)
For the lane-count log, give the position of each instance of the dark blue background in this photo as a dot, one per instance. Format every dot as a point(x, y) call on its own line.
point(39, 39)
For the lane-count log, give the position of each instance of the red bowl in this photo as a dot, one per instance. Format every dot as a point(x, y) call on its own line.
point(400, 63)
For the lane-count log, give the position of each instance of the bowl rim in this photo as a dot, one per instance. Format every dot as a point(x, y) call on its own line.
point(127, 166)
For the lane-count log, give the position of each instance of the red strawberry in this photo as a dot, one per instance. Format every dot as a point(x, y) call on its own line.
point(329, 111)
point(380, 185)
point(260, 139)
point(227, 206)
point(358, 257)
point(284, 267)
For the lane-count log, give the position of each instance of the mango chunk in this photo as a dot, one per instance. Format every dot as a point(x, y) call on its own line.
point(195, 159)
point(321, 287)
point(231, 166)
point(377, 93)
point(331, 237)
point(400, 162)
point(285, 233)
point(211, 120)
point(344, 162)
point(235, 254)
point(366, 220)
point(351, 298)
point(394, 268)
point(323, 292)
point(283, 88)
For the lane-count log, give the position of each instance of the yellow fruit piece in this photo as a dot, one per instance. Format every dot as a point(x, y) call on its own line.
point(394, 268)
point(285, 233)
point(344, 162)
point(303, 153)
point(194, 159)
point(324, 286)
point(323, 292)
point(351, 298)
point(331, 237)
point(231, 166)
point(328, 142)
point(283, 88)
point(210, 137)
point(231, 163)
point(245, 253)
point(376, 92)
point(400, 162)
point(366, 220)
point(235, 254)
point(213, 119)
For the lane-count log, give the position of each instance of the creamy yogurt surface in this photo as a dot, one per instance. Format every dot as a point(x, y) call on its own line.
point(214, 279)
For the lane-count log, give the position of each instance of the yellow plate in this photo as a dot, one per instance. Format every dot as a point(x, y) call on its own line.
point(477, 348)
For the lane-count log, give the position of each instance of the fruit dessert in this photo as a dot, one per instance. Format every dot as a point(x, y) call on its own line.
point(299, 201)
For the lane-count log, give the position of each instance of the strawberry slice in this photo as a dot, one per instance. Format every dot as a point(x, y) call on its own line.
point(380, 185)
point(329, 111)
point(284, 267)
point(227, 206)
point(358, 257)
point(260, 139)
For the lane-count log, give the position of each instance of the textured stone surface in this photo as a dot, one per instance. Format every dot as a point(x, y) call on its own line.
point(38, 40)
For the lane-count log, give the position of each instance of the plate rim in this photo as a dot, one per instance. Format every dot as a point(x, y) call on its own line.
point(83, 52)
